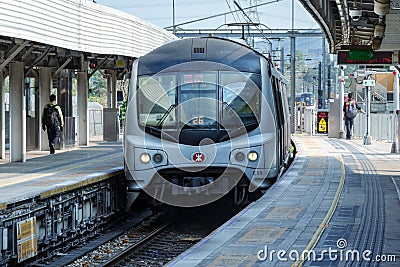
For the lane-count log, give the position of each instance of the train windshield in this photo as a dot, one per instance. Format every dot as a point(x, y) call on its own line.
point(196, 100)
point(241, 94)
point(306, 99)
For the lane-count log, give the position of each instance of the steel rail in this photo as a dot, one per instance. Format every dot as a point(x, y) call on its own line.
point(136, 246)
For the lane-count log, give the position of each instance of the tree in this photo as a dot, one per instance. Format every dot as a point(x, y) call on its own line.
point(98, 88)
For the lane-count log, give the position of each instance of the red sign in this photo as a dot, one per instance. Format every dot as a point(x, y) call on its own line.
point(379, 58)
point(198, 157)
point(322, 122)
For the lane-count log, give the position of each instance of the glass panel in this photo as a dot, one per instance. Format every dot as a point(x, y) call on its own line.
point(241, 99)
point(198, 100)
point(156, 100)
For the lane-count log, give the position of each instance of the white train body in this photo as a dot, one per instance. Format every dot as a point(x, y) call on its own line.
point(204, 117)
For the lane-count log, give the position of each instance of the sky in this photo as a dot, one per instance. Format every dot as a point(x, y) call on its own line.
point(276, 14)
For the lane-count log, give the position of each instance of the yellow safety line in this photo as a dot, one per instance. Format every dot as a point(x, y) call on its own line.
point(317, 235)
point(79, 184)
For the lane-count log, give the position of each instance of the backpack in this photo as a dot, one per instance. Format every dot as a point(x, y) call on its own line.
point(50, 116)
point(351, 111)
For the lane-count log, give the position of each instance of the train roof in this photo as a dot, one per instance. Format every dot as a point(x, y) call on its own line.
point(211, 49)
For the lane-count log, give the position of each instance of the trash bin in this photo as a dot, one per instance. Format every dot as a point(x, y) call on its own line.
point(110, 124)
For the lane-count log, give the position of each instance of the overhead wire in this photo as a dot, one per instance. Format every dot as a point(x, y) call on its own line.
point(233, 12)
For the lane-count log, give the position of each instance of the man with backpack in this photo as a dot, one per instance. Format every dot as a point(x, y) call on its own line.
point(350, 109)
point(52, 120)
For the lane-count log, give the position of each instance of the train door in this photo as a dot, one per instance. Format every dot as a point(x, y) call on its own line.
point(280, 120)
point(287, 134)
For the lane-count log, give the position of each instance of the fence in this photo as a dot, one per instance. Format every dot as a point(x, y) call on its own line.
point(381, 126)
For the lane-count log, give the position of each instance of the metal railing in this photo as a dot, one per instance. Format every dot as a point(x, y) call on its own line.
point(381, 126)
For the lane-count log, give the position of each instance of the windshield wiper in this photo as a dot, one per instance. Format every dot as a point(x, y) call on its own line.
point(232, 113)
point(229, 134)
point(160, 133)
point(166, 115)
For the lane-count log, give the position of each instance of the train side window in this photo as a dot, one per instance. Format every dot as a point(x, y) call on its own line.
point(284, 99)
point(278, 97)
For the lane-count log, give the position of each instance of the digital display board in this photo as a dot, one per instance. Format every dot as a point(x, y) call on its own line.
point(377, 58)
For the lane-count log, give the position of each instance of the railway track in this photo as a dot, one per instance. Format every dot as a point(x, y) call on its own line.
point(157, 239)
point(118, 258)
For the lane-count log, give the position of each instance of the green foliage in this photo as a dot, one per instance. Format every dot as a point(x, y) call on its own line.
point(122, 110)
point(74, 86)
point(98, 88)
point(7, 84)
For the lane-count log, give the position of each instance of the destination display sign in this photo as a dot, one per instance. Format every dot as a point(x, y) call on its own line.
point(361, 54)
point(364, 57)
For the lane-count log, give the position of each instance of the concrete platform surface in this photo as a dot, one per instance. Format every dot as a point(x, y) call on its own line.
point(337, 205)
point(43, 174)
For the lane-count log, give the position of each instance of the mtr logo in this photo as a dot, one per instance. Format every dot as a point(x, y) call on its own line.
point(198, 157)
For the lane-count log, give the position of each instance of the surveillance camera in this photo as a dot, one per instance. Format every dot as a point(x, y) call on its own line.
point(355, 14)
point(343, 67)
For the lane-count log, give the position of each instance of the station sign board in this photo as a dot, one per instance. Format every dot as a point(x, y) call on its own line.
point(365, 57)
point(120, 64)
point(369, 82)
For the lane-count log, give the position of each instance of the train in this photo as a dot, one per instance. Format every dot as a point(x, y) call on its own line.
point(205, 117)
point(306, 99)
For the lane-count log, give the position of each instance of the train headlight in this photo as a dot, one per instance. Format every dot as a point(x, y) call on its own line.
point(145, 158)
point(252, 156)
point(239, 156)
point(158, 158)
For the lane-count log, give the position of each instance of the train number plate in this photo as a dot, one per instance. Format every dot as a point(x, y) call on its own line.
point(258, 173)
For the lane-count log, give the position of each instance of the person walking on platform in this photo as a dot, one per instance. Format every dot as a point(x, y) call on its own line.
point(350, 108)
point(52, 120)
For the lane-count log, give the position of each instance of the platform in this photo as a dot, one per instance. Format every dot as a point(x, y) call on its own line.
point(338, 205)
point(43, 174)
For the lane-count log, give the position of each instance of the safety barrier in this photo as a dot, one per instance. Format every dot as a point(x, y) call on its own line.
point(299, 118)
point(398, 132)
point(381, 126)
point(305, 120)
point(80, 25)
point(309, 121)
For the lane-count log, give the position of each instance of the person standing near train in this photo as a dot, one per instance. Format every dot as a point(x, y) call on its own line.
point(350, 108)
point(53, 122)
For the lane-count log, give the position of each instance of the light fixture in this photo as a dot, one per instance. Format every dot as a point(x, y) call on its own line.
point(379, 30)
point(381, 7)
point(239, 156)
point(252, 156)
point(145, 158)
point(158, 158)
